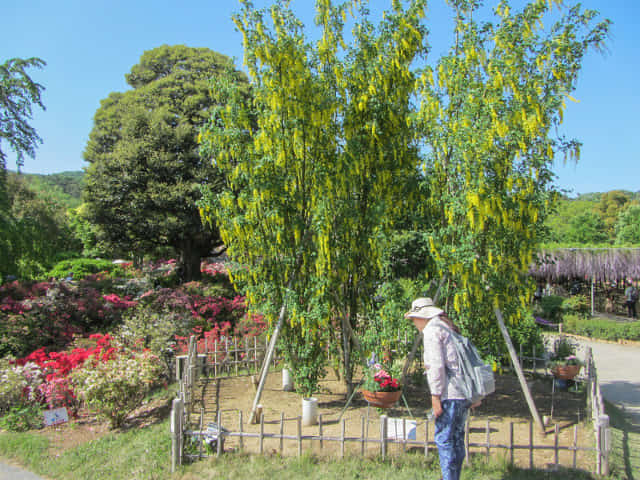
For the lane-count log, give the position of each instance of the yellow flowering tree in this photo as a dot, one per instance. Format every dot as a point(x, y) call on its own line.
point(315, 166)
point(489, 114)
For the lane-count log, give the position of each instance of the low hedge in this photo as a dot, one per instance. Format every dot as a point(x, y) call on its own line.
point(83, 267)
point(601, 328)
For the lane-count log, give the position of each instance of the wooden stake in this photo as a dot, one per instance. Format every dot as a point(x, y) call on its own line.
point(281, 432)
point(266, 362)
point(299, 436)
point(516, 365)
point(488, 434)
point(383, 436)
point(241, 440)
point(511, 442)
point(530, 444)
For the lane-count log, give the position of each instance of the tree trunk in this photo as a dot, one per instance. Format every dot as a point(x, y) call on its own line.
point(346, 352)
point(190, 258)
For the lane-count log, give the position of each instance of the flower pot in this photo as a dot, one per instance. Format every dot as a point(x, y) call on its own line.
point(287, 382)
point(381, 399)
point(309, 411)
point(565, 372)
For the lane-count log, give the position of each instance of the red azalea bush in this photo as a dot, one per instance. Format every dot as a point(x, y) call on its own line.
point(46, 374)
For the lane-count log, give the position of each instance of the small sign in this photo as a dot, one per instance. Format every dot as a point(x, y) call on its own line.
point(56, 416)
point(396, 429)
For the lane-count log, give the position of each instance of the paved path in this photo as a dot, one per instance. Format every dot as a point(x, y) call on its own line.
point(9, 472)
point(618, 368)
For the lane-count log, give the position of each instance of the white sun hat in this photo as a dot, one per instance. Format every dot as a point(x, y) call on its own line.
point(423, 308)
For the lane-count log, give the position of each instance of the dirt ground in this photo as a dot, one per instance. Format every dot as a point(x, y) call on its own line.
point(508, 404)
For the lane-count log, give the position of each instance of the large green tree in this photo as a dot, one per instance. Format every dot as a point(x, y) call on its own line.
point(39, 231)
point(628, 226)
point(18, 93)
point(144, 167)
point(610, 206)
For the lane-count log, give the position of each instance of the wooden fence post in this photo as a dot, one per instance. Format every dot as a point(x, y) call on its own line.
point(604, 444)
point(383, 436)
point(176, 433)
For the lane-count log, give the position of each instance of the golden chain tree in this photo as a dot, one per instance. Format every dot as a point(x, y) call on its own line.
point(489, 116)
point(316, 165)
point(317, 159)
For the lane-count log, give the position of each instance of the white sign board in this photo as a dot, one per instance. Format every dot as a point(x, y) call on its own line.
point(56, 416)
point(396, 429)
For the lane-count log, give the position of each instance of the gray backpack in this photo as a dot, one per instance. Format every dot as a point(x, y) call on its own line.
point(476, 380)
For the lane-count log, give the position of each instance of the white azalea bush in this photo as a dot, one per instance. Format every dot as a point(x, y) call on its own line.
point(115, 388)
point(18, 384)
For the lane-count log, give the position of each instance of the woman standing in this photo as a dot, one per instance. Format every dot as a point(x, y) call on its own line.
point(450, 406)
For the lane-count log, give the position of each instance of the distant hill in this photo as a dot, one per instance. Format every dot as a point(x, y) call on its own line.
point(65, 187)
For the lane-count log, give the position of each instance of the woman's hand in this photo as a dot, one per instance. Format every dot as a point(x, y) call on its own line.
point(437, 406)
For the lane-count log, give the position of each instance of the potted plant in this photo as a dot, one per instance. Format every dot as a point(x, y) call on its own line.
point(563, 363)
point(381, 387)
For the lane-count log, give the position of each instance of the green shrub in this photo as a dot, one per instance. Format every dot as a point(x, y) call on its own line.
point(156, 331)
point(550, 308)
point(115, 388)
point(526, 335)
point(21, 418)
point(602, 328)
point(577, 305)
point(12, 383)
point(83, 267)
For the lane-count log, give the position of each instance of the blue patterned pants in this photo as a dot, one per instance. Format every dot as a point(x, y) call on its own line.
point(449, 437)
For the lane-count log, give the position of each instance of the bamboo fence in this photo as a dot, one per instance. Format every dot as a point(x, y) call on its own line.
point(188, 435)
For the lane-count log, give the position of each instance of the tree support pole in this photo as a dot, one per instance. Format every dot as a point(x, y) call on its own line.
point(267, 361)
point(518, 367)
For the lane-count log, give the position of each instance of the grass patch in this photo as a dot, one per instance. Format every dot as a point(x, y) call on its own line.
point(144, 454)
point(134, 454)
point(404, 467)
point(625, 440)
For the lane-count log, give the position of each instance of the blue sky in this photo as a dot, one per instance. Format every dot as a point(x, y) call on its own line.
point(89, 46)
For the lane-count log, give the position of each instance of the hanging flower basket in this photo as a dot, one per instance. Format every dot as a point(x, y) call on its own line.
point(381, 399)
point(566, 372)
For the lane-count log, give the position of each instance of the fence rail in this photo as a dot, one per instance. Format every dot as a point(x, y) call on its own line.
point(382, 442)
